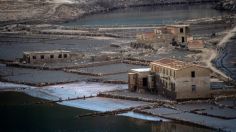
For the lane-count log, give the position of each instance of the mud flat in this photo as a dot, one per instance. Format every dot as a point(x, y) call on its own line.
point(109, 69)
point(37, 77)
point(219, 115)
point(18, 44)
point(204, 113)
point(227, 59)
point(211, 122)
point(219, 54)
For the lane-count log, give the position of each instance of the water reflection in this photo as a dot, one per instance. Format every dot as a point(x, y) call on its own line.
point(17, 115)
point(177, 127)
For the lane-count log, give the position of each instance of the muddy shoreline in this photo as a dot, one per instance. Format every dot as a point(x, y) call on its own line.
point(136, 6)
point(64, 13)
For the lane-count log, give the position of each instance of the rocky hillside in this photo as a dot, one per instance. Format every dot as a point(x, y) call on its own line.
point(226, 5)
point(45, 11)
point(85, 7)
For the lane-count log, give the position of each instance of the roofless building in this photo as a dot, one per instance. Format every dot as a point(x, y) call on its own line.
point(33, 57)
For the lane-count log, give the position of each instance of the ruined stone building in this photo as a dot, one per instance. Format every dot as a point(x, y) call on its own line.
point(33, 57)
point(179, 32)
point(196, 44)
point(176, 35)
point(138, 79)
point(173, 78)
point(149, 37)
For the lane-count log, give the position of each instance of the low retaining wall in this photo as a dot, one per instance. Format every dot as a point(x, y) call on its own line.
point(90, 34)
point(92, 74)
point(174, 119)
point(107, 95)
point(107, 81)
point(38, 84)
point(135, 61)
point(92, 64)
point(14, 64)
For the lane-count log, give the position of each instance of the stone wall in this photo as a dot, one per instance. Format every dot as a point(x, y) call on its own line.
point(185, 82)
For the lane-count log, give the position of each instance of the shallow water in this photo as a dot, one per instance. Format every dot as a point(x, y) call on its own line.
point(228, 59)
point(168, 14)
point(13, 46)
point(38, 76)
point(19, 113)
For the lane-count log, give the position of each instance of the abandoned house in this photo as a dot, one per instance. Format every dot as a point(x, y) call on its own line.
point(176, 35)
point(172, 78)
point(180, 32)
point(33, 57)
point(138, 79)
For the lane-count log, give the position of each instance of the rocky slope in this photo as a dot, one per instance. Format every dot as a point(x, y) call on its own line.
point(45, 11)
point(226, 5)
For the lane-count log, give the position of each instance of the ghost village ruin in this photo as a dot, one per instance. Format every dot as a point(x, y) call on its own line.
point(172, 78)
point(173, 87)
point(118, 65)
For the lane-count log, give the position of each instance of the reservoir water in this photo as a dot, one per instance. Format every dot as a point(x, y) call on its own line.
point(19, 113)
point(167, 14)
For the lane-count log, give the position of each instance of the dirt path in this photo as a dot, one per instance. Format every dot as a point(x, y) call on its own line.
point(213, 54)
point(49, 13)
point(226, 39)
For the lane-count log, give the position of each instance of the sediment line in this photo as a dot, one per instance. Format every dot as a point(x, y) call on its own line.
point(107, 95)
point(119, 111)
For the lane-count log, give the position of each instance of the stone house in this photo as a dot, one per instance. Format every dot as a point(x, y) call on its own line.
point(180, 32)
point(176, 35)
point(180, 80)
point(176, 79)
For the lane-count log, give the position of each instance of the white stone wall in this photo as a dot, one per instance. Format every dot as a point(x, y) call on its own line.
point(184, 87)
point(47, 57)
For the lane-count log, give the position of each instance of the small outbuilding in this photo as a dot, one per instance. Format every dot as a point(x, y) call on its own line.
point(33, 57)
point(140, 79)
